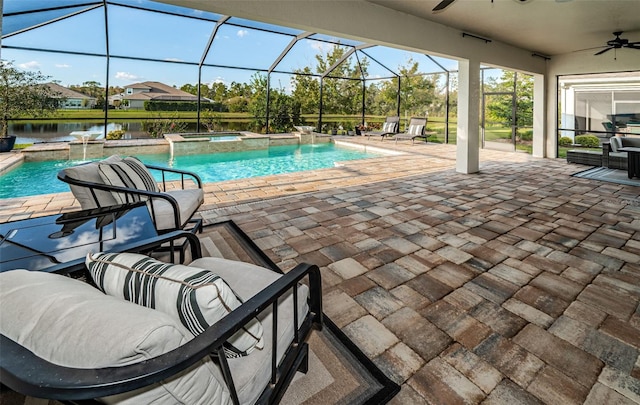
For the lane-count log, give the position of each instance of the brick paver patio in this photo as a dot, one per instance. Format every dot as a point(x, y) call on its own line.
point(518, 284)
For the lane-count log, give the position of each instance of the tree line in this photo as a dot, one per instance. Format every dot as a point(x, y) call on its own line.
point(342, 94)
point(339, 95)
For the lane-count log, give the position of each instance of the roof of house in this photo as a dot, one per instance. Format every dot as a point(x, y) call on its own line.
point(67, 93)
point(159, 92)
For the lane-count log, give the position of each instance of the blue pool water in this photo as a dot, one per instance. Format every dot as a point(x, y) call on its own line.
point(34, 178)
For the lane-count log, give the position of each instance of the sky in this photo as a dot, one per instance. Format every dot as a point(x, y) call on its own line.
point(170, 38)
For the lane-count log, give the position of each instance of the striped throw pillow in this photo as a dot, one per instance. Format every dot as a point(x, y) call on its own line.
point(415, 129)
point(197, 297)
point(389, 127)
point(129, 172)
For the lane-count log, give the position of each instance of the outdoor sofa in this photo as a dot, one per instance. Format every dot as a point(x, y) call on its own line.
point(612, 157)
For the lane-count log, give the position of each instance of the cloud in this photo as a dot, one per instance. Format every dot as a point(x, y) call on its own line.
point(33, 65)
point(126, 76)
point(320, 46)
point(218, 79)
point(62, 65)
point(242, 33)
point(174, 60)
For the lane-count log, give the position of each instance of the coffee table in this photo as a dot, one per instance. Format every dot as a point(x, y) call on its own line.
point(45, 242)
point(633, 161)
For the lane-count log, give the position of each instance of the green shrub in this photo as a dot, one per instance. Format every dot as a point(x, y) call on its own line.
point(115, 134)
point(526, 135)
point(157, 127)
point(588, 141)
point(565, 141)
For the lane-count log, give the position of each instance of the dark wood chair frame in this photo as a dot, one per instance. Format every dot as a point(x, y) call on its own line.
point(25, 372)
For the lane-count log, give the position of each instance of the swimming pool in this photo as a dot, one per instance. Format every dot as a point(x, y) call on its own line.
point(34, 178)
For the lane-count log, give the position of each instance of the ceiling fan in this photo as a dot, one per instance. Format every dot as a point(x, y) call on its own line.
point(618, 43)
point(446, 3)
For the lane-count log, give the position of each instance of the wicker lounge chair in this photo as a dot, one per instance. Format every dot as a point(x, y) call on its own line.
point(390, 127)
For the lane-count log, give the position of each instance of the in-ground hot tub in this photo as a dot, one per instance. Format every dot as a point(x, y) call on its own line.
point(216, 136)
point(215, 142)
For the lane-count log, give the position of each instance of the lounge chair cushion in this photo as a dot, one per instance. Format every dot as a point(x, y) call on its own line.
point(415, 130)
point(189, 200)
point(196, 297)
point(251, 373)
point(128, 172)
point(73, 324)
point(89, 172)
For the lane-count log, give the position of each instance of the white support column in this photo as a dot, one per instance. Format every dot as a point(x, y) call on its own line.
point(468, 136)
point(568, 113)
point(539, 116)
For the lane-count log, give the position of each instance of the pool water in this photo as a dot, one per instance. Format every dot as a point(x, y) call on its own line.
point(34, 178)
point(222, 138)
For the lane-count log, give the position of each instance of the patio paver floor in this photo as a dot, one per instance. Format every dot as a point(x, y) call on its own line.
point(517, 284)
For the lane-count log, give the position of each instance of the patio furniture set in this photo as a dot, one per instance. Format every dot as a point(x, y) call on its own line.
point(620, 152)
point(89, 312)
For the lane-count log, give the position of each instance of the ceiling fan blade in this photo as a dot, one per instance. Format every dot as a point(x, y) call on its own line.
point(442, 5)
point(633, 45)
point(604, 50)
point(589, 49)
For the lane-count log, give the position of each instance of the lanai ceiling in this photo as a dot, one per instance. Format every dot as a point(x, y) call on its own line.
point(549, 27)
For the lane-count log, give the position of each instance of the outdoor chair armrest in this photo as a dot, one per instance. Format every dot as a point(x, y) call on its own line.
point(25, 372)
point(193, 176)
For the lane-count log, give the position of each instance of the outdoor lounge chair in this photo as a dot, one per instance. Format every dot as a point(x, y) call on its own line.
point(86, 343)
point(118, 180)
point(389, 127)
point(416, 129)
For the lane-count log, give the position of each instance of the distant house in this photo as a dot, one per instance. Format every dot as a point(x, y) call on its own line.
point(72, 99)
point(135, 95)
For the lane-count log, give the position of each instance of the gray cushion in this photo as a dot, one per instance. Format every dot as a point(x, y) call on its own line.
point(71, 323)
point(189, 201)
point(196, 297)
point(614, 143)
point(89, 172)
point(252, 373)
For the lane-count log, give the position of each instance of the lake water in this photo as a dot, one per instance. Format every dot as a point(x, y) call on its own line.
point(38, 132)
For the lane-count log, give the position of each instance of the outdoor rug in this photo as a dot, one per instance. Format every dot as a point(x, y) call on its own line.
point(339, 373)
point(610, 175)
